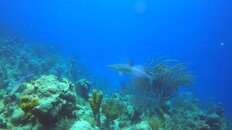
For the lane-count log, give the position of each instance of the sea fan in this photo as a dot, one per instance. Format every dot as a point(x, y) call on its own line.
point(168, 77)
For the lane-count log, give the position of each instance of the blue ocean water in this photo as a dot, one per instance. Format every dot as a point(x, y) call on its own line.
point(196, 32)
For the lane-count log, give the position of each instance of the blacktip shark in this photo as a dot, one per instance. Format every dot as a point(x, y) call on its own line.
point(134, 71)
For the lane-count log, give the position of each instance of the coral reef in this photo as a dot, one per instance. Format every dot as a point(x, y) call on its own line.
point(83, 87)
point(21, 61)
point(169, 77)
point(185, 113)
point(50, 103)
point(155, 123)
point(41, 89)
point(64, 124)
point(166, 78)
point(112, 109)
point(47, 100)
point(95, 104)
point(28, 104)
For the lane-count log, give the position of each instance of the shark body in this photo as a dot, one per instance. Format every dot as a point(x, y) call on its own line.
point(135, 71)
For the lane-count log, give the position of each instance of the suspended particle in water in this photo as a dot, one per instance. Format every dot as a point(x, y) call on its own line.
point(222, 43)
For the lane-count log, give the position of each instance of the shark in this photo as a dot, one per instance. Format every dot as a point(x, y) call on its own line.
point(134, 71)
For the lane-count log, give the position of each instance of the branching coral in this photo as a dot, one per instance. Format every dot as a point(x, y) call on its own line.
point(113, 108)
point(168, 77)
point(165, 78)
point(95, 104)
point(155, 123)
